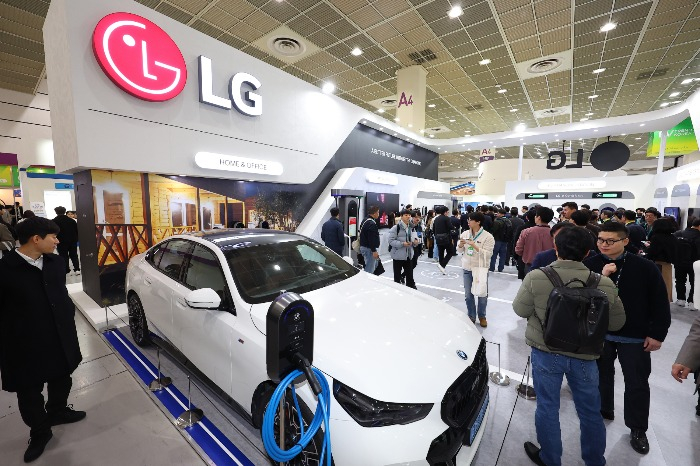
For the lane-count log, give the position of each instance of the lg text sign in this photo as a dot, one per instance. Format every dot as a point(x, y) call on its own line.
point(144, 61)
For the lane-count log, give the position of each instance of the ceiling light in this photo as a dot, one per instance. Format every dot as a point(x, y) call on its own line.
point(513, 110)
point(594, 96)
point(381, 110)
point(396, 119)
point(595, 130)
point(665, 104)
point(411, 126)
point(608, 27)
point(630, 145)
point(599, 70)
point(642, 124)
point(589, 114)
point(455, 12)
point(328, 88)
point(623, 134)
point(394, 134)
point(381, 129)
point(583, 119)
point(637, 139)
point(452, 121)
point(520, 127)
point(502, 91)
point(687, 81)
point(673, 94)
point(431, 105)
point(364, 122)
point(676, 102)
point(485, 61)
point(356, 51)
point(432, 135)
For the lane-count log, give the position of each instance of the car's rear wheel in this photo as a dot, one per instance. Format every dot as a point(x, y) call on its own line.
point(137, 321)
point(311, 455)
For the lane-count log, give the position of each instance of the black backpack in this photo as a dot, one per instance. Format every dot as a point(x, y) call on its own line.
point(686, 252)
point(576, 320)
point(506, 228)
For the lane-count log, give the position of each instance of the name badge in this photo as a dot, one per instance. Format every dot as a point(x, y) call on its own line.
point(470, 251)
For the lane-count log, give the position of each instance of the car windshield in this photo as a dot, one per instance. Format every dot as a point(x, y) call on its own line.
point(262, 271)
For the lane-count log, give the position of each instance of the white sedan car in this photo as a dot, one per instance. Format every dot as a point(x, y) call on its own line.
point(408, 372)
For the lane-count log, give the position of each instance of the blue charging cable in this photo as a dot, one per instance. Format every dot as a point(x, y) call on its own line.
point(322, 416)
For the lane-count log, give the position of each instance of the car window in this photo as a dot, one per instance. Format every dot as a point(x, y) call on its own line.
point(204, 271)
point(174, 254)
point(262, 271)
point(155, 254)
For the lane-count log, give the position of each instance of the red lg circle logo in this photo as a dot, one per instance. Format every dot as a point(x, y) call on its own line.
point(139, 57)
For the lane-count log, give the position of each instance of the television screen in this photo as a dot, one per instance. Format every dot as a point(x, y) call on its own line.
point(386, 202)
point(674, 212)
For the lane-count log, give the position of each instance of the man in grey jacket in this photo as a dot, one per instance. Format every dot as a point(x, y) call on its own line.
point(402, 239)
point(549, 367)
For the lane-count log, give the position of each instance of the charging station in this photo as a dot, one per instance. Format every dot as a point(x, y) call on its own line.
point(348, 201)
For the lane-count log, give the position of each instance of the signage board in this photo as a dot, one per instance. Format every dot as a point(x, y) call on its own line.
point(608, 195)
point(679, 141)
point(536, 196)
point(63, 185)
point(38, 208)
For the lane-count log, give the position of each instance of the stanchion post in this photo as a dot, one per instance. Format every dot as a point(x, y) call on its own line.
point(526, 390)
point(161, 382)
point(497, 377)
point(107, 327)
point(189, 417)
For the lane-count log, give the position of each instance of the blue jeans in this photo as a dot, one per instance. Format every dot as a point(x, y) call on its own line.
point(370, 260)
point(500, 249)
point(435, 249)
point(548, 371)
point(469, 298)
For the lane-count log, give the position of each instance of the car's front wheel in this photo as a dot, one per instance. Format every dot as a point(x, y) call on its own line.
point(311, 455)
point(137, 321)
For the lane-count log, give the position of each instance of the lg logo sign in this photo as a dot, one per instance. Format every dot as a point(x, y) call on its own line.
point(142, 60)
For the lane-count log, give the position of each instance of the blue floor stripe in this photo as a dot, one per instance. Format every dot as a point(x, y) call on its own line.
point(213, 442)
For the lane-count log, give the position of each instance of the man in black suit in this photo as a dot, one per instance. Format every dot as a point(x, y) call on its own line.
point(38, 339)
point(68, 239)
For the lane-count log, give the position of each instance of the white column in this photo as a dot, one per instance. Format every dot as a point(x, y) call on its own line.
point(520, 163)
point(410, 95)
point(662, 152)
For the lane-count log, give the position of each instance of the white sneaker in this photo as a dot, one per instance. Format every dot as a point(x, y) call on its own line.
point(442, 269)
point(691, 306)
point(680, 302)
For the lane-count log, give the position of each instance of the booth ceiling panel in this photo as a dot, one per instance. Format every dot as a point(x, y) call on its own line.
point(653, 48)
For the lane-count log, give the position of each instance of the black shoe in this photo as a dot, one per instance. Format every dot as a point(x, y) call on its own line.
point(609, 415)
point(533, 453)
point(697, 410)
point(36, 446)
point(639, 442)
point(66, 415)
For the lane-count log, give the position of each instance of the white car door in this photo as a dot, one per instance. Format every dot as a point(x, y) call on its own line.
point(205, 336)
point(159, 283)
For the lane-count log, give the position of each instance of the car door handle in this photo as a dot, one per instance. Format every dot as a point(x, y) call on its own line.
point(181, 302)
point(147, 280)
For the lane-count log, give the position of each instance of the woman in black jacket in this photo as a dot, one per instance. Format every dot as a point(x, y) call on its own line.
point(662, 250)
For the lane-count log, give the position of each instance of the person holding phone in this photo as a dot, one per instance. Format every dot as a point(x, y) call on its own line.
point(476, 246)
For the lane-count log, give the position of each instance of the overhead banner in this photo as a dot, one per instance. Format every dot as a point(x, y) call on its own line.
point(9, 176)
point(680, 140)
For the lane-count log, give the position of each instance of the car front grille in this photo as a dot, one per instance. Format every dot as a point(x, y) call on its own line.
point(462, 406)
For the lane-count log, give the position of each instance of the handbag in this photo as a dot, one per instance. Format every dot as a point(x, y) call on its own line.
point(379, 269)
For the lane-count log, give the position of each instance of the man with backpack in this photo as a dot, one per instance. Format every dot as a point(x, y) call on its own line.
point(643, 291)
point(550, 312)
point(402, 240)
point(502, 232)
point(687, 252)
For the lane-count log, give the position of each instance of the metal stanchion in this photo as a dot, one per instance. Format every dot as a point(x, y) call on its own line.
point(191, 416)
point(526, 390)
point(107, 327)
point(497, 377)
point(161, 382)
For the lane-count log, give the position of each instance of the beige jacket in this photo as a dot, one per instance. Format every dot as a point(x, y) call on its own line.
point(482, 258)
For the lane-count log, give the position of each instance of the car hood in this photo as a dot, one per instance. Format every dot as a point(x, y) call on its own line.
point(386, 340)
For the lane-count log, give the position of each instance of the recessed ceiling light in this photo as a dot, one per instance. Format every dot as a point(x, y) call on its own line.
point(594, 96)
point(411, 126)
point(431, 105)
point(432, 135)
point(394, 134)
point(485, 61)
point(608, 27)
point(356, 51)
point(673, 94)
point(665, 104)
point(328, 88)
point(502, 91)
point(676, 102)
point(687, 81)
point(589, 114)
point(520, 127)
point(364, 121)
point(637, 139)
point(513, 110)
point(381, 110)
point(630, 145)
point(595, 130)
point(642, 124)
point(455, 12)
point(583, 119)
point(599, 70)
point(557, 140)
point(623, 134)
point(381, 129)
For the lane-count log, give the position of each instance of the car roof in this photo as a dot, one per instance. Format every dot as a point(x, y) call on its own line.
point(234, 238)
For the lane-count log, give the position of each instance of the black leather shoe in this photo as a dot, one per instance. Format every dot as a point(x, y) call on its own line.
point(639, 442)
point(609, 415)
point(36, 446)
point(533, 453)
point(697, 410)
point(66, 415)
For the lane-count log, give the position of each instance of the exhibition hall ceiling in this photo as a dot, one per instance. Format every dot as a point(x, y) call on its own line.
point(499, 64)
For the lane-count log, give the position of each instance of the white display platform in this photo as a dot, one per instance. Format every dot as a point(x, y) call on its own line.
point(93, 312)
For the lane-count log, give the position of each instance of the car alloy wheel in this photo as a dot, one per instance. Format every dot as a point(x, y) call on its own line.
point(137, 321)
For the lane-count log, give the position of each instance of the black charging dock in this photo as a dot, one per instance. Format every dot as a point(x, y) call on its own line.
point(290, 335)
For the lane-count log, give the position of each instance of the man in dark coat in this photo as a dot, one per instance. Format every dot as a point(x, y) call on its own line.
point(332, 233)
point(38, 338)
point(68, 238)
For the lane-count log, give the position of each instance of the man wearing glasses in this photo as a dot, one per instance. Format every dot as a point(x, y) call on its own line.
point(643, 294)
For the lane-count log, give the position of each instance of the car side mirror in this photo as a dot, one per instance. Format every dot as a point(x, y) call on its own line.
point(204, 298)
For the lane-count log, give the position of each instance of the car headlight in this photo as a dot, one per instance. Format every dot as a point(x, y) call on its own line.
point(369, 412)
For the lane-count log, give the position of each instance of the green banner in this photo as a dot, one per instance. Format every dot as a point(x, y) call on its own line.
point(8, 175)
point(680, 140)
